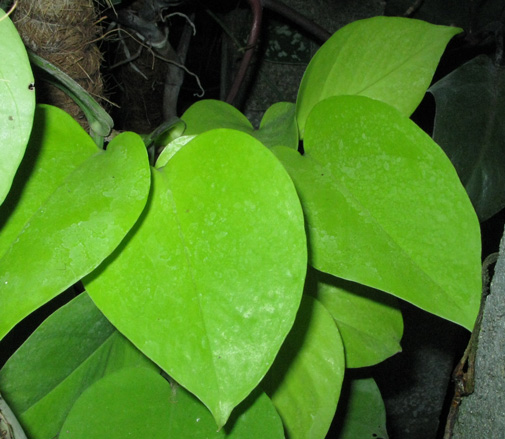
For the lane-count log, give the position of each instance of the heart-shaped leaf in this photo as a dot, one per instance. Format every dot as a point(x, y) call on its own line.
point(74, 347)
point(17, 95)
point(391, 59)
point(469, 126)
point(370, 321)
point(209, 281)
point(305, 380)
point(362, 414)
point(58, 145)
point(75, 229)
point(140, 403)
point(385, 208)
point(278, 126)
point(209, 114)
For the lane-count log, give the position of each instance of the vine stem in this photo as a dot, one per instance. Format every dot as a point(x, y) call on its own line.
point(281, 9)
point(257, 11)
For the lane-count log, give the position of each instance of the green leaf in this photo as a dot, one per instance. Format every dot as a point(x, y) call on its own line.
point(305, 380)
point(209, 281)
point(385, 208)
point(370, 321)
point(140, 403)
point(209, 114)
point(71, 349)
point(390, 59)
point(75, 229)
point(164, 133)
point(254, 418)
point(362, 413)
point(278, 126)
point(18, 102)
point(469, 126)
point(58, 145)
point(171, 149)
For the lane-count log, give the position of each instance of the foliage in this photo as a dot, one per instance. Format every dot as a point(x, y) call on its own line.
point(200, 260)
point(474, 140)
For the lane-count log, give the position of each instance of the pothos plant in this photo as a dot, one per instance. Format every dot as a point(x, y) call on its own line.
point(231, 280)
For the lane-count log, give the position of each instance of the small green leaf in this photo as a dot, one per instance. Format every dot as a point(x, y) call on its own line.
point(75, 229)
point(164, 133)
point(385, 208)
point(58, 145)
point(171, 149)
point(139, 403)
point(390, 59)
point(370, 321)
point(70, 350)
point(362, 413)
point(17, 97)
point(209, 114)
point(469, 126)
point(305, 380)
point(219, 259)
point(278, 126)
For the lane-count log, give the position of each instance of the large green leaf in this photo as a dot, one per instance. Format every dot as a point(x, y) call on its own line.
point(390, 59)
point(75, 229)
point(469, 125)
point(57, 146)
point(385, 208)
point(72, 348)
point(362, 413)
point(209, 281)
point(140, 403)
point(17, 97)
point(305, 380)
point(370, 321)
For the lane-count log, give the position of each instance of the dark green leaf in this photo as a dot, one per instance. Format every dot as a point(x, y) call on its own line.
point(75, 229)
point(370, 321)
point(305, 380)
point(468, 14)
point(469, 125)
point(362, 414)
point(390, 59)
point(209, 281)
point(70, 350)
point(385, 208)
point(17, 97)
